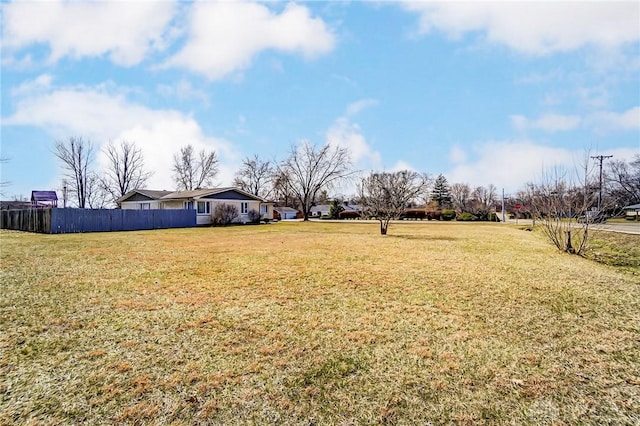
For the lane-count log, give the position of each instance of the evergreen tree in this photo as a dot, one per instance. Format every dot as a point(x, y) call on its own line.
point(441, 193)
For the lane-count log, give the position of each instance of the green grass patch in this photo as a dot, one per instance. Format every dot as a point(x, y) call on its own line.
point(615, 249)
point(315, 323)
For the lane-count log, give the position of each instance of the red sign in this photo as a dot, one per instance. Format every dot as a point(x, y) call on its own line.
point(518, 206)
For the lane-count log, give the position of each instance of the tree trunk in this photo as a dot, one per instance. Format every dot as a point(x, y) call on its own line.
point(383, 228)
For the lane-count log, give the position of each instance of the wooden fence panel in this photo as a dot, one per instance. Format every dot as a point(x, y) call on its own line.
point(62, 221)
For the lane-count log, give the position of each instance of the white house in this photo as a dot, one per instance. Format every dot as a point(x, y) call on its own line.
point(204, 201)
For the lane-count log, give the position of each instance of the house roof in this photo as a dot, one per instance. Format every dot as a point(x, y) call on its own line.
point(285, 210)
point(201, 193)
point(320, 208)
point(632, 207)
point(44, 196)
point(150, 193)
point(186, 195)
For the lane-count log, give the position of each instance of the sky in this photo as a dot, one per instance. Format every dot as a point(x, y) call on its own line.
point(481, 92)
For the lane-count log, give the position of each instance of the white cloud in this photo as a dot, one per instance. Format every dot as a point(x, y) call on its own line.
point(225, 36)
point(355, 107)
point(457, 155)
point(534, 27)
point(603, 122)
point(509, 164)
point(101, 116)
point(548, 122)
point(345, 134)
point(124, 31)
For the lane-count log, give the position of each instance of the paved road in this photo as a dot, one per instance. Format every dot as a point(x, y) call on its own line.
point(624, 227)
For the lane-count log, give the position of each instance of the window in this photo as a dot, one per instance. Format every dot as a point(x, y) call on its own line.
point(188, 205)
point(145, 206)
point(264, 209)
point(203, 207)
point(244, 208)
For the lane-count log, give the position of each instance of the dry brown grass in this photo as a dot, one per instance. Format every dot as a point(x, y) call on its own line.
point(314, 323)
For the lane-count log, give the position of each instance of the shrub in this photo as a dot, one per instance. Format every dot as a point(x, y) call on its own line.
point(433, 215)
point(254, 216)
point(349, 214)
point(466, 217)
point(414, 214)
point(447, 214)
point(224, 214)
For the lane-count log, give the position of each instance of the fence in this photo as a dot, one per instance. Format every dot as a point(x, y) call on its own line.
point(62, 221)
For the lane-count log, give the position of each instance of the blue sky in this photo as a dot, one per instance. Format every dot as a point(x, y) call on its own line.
point(483, 92)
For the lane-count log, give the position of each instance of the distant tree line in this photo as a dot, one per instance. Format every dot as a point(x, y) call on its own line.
point(310, 173)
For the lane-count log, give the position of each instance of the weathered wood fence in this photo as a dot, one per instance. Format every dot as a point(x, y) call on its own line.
point(62, 221)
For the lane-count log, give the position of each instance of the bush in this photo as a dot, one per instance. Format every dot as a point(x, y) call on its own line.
point(224, 214)
point(433, 215)
point(414, 214)
point(447, 214)
point(349, 214)
point(466, 217)
point(254, 216)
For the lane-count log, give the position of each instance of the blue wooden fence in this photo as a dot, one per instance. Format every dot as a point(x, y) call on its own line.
point(63, 221)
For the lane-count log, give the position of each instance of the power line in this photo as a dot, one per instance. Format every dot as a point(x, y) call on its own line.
point(601, 158)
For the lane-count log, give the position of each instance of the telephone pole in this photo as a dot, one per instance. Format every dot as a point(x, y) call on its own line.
point(601, 158)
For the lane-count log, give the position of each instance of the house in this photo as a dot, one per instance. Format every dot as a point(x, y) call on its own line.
point(204, 201)
point(284, 213)
point(44, 199)
point(320, 210)
point(632, 212)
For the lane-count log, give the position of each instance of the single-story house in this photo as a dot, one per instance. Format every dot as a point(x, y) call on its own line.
point(320, 210)
point(204, 201)
point(284, 213)
point(632, 212)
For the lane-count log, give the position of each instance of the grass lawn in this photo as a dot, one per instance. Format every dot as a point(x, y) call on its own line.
point(315, 323)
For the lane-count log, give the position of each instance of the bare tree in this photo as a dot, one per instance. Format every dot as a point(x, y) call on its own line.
point(76, 155)
point(255, 176)
point(309, 170)
point(623, 182)
point(555, 199)
point(191, 171)
point(97, 194)
point(125, 170)
point(460, 196)
point(281, 191)
point(386, 195)
point(482, 200)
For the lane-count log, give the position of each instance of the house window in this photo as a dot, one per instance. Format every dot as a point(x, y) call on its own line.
point(203, 207)
point(188, 205)
point(145, 206)
point(264, 209)
point(244, 208)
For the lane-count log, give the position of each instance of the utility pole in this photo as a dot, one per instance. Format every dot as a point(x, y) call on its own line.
point(601, 158)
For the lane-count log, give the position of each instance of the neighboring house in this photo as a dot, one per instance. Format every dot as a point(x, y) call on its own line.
point(44, 199)
point(284, 213)
point(204, 201)
point(632, 212)
point(320, 210)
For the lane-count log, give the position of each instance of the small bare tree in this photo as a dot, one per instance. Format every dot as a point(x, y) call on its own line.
point(385, 195)
point(125, 169)
point(255, 176)
point(192, 171)
point(555, 200)
point(76, 155)
point(460, 196)
point(309, 170)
